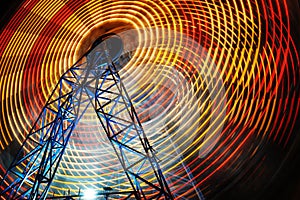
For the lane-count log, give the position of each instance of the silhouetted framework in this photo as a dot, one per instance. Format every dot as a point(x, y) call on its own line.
point(93, 80)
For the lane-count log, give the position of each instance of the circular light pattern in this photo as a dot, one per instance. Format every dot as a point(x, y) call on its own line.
point(215, 85)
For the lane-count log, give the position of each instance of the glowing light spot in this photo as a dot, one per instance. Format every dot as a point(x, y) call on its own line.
point(89, 194)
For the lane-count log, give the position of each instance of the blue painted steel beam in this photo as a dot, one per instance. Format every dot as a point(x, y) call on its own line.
point(96, 83)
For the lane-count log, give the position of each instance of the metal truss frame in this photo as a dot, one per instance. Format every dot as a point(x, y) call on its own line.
point(93, 80)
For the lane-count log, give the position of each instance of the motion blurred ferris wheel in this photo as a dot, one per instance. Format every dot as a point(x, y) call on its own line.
point(214, 86)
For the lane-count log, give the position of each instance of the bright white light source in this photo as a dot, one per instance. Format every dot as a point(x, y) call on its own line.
point(89, 194)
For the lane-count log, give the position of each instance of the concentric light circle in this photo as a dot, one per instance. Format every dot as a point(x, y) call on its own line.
point(215, 85)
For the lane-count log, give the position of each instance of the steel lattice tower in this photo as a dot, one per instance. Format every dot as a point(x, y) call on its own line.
point(94, 79)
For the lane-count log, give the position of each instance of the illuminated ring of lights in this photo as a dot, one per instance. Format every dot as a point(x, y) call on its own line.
point(245, 46)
